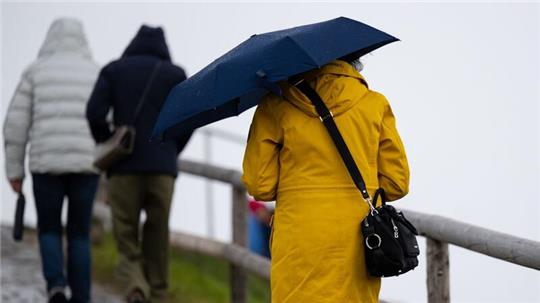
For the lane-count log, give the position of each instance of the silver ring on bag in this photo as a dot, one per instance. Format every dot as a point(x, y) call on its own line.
point(378, 243)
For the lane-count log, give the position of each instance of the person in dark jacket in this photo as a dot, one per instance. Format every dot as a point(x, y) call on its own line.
point(144, 180)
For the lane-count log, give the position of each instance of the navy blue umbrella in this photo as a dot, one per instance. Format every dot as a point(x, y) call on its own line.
point(237, 80)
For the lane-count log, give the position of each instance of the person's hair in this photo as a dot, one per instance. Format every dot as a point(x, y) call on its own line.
point(357, 64)
point(353, 60)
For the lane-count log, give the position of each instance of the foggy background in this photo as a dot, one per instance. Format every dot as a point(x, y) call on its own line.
point(463, 84)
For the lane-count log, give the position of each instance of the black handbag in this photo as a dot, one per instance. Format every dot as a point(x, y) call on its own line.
point(390, 244)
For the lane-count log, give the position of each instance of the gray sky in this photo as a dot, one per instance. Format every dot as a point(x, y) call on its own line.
point(463, 83)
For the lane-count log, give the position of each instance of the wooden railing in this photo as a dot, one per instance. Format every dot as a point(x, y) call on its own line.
point(439, 231)
point(237, 254)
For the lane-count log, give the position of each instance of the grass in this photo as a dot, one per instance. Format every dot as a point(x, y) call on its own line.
point(193, 278)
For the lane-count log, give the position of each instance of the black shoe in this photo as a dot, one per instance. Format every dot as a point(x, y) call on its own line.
point(58, 297)
point(135, 296)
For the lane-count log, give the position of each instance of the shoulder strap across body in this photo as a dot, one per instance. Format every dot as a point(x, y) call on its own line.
point(327, 118)
point(142, 100)
point(390, 244)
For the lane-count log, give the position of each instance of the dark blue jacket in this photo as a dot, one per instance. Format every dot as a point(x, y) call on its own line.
point(120, 86)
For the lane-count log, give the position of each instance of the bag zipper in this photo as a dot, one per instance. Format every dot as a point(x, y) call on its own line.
point(396, 230)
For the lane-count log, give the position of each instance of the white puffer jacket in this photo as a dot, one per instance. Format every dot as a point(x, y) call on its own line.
point(48, 108)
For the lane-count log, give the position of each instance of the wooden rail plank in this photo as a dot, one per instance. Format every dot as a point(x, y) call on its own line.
point(235, 254)
point(485, 241)
point(210, 171)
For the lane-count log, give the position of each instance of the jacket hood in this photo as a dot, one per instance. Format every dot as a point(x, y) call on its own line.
point(333, 82)
point(65, 35)
point(148, 41)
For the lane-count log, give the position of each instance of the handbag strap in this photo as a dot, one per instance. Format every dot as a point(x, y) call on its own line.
point(146, 90)
point(327, 118)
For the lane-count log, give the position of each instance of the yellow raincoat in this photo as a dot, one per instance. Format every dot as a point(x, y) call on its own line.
point(317, 251)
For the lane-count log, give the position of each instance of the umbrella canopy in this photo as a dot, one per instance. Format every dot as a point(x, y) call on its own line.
point(237, 80)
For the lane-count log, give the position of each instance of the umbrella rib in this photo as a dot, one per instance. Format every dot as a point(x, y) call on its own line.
point(215, 79)
point(313, 61)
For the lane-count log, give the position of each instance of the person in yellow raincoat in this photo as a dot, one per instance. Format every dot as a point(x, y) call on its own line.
point(316, 243)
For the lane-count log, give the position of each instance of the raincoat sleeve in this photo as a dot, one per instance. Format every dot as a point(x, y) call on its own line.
point(261, 159)
point(16, 128)
point(393, 168)
point(98, 107)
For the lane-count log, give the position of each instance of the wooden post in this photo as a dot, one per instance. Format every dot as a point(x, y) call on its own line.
point(239, 237)
point(438, 277)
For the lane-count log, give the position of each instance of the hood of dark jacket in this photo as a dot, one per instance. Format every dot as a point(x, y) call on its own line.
point(149, 41)
point(338, 83)
point(65, 35)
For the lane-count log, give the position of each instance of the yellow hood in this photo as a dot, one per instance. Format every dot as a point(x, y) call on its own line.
point(333, 88)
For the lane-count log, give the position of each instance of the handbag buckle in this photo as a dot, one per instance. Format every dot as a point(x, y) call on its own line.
point(372, 209)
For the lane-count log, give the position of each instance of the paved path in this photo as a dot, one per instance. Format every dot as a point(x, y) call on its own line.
point(21, 280)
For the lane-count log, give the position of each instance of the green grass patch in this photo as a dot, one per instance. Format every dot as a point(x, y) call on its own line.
point(194, 278)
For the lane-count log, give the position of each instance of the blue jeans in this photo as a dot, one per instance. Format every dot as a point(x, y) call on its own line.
point(49, 193)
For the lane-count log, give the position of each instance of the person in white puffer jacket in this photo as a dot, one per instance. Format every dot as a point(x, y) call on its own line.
point(47, 113)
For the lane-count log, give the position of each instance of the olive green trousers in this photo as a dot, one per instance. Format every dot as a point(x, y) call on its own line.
point(143, 251)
